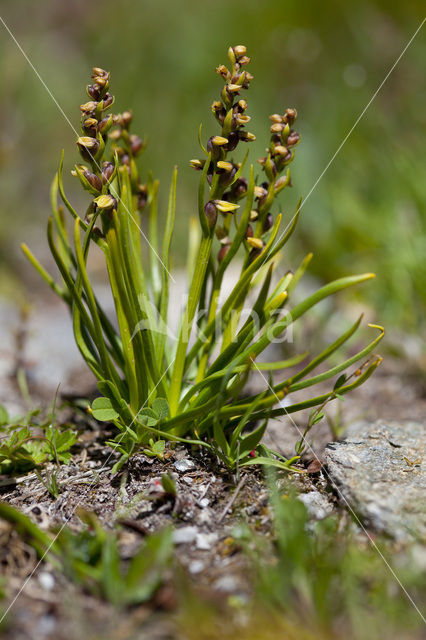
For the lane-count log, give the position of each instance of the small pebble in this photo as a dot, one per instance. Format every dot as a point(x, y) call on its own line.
point(196, 566)
point(226, 583)
point(205, 541)
point(205, 516)
point(184, 465)
point(317, 505)
point(185, 535)
point(46, 580)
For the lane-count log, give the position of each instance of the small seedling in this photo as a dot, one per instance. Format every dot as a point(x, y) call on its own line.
point(28, 444)
point(91, 557)
point(50, 483)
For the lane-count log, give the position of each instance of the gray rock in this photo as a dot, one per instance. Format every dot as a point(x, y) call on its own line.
point(379, 471)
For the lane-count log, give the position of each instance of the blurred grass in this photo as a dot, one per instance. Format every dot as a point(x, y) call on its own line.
point(367, 212)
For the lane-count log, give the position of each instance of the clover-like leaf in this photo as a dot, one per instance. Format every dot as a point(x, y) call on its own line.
point(103, 410)
point(161, 408)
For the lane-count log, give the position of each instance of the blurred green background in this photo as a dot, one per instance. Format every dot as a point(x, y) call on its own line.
point(326, 59)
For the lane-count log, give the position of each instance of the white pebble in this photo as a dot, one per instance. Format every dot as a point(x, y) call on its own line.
point(185, 535)
point(196, 566)
point(46, 580)
point(184, 465)
point(205, 541)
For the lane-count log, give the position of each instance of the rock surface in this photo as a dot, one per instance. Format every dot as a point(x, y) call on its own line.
point(379, 471)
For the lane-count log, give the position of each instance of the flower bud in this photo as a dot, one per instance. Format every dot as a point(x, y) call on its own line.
point(260, 192)
point(100, 81)
point(225, 166)
point(275, 117)
point(211, 214)
point(222, 252)
point(126, 118)
point(244, 60)
point(233, 139)
point(282, 182)
point(93, 91)
point(142, 196)
point(256, 243)
point(225, 207)
point(291, 115)
point(249, 232)
point(242, 104)
point(115, 135)
point(217, 141)
point(245, 136)
point(107, 101)
point(292, 139)
point(214, 146)
point(136, 144)
point(90, 126)
point(223, 71)
point(233, 88)
point(248, 77)
point(254, 215)
point(105, 125)
point(88, 108)
point(240, 187)
point(88, 147)
point(107, 171)
point(93, 180)
point(218, 111)
point(254, 253)
point(89, 180)
point(105, 202)
point(98, 71)
point(81, 167)
point(280, 150)
point(197, 164)
point(241, 120)
point(240, 51)
point(277, 127)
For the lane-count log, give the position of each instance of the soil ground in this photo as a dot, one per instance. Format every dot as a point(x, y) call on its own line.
point(209, 504)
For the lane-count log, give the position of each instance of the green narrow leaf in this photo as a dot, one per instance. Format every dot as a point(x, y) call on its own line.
point(340, 381)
